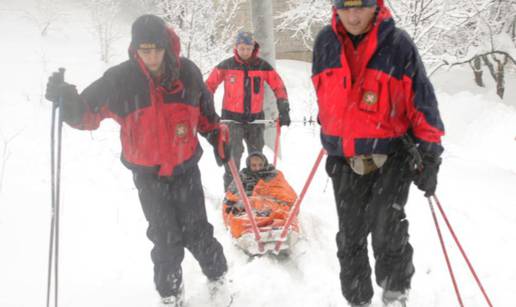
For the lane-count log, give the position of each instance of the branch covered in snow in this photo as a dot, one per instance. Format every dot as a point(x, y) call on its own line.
point(5, 154)
point(44, 15)
point(203, 27)
point(305, 19)
point(103, 15)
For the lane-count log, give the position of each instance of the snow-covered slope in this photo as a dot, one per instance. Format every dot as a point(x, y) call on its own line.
point(105, 256)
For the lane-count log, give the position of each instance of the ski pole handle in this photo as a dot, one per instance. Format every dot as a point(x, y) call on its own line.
point(59, 80)
point(61, 74)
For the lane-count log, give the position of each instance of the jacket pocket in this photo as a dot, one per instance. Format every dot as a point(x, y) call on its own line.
point(257, 84)
point(332, 99)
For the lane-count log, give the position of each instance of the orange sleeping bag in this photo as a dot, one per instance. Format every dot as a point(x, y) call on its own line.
point(271, 199)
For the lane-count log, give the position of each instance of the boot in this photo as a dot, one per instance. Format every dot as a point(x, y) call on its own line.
point(394, 298)
point(174, 300)
point(219, 291)
point(366, 304)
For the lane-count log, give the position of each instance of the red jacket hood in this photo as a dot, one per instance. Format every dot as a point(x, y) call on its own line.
point(175, 44)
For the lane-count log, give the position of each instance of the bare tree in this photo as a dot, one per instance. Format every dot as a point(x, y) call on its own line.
point(479, 33)
point(5, 154)
point(485, 37)
point(203, 27)
point(103, 15)
point(44, 15)
point(305, 19)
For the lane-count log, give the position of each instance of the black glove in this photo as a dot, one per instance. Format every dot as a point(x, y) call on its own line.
point(234, 207)
point(229, 205)
point(283, 109)
point(426, 179)
point(219, 139)
point(57, 89)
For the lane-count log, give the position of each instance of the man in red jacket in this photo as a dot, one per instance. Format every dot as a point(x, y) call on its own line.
point(376, 104)
point(161, 103)
point(244, 76)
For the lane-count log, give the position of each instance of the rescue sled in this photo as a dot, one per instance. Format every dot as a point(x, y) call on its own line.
point(264, 225)
point(270, 219)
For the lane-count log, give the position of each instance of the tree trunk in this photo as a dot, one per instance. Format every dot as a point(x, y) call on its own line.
point(492, 70)
point(476, 65)
point(262, 16)
point(500, 77)
point(497, 72)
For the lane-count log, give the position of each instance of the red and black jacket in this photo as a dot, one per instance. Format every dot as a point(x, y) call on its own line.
point(244, 86)
point(159, 122)
point(367, 109)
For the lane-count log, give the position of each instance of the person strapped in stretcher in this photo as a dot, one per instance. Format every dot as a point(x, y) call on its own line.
point(270, 195)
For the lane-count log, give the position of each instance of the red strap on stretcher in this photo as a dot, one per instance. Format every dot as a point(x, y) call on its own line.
point(247, 204)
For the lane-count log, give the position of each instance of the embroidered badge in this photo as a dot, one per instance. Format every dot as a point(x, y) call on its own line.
point(147, 46)
point(232, 79)
point(181, 130)
point(351, 3)
point(370, 98)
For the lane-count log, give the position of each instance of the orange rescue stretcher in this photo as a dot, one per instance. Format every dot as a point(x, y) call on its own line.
point(270, 218)
point(265, 225)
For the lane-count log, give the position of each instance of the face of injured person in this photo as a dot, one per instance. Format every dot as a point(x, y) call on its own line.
point(256, 164)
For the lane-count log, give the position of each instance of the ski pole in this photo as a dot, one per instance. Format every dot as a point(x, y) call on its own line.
point(450, 269)
point(52, 220)
point(297, 204)
point(247, 204)
point(472, 270)
point(268, 122)
point(277, 142)
point(55, 173)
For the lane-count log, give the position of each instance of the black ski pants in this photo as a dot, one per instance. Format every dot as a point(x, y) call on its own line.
point(177, 220)
point(252, 134)
point(372, 204)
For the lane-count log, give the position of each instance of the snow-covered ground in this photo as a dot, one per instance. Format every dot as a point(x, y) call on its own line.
point(105, 255)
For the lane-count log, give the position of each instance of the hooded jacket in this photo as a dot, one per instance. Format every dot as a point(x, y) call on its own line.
point(159, 121)
point(268, 182)
point(244, 86)
point(389, 97)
